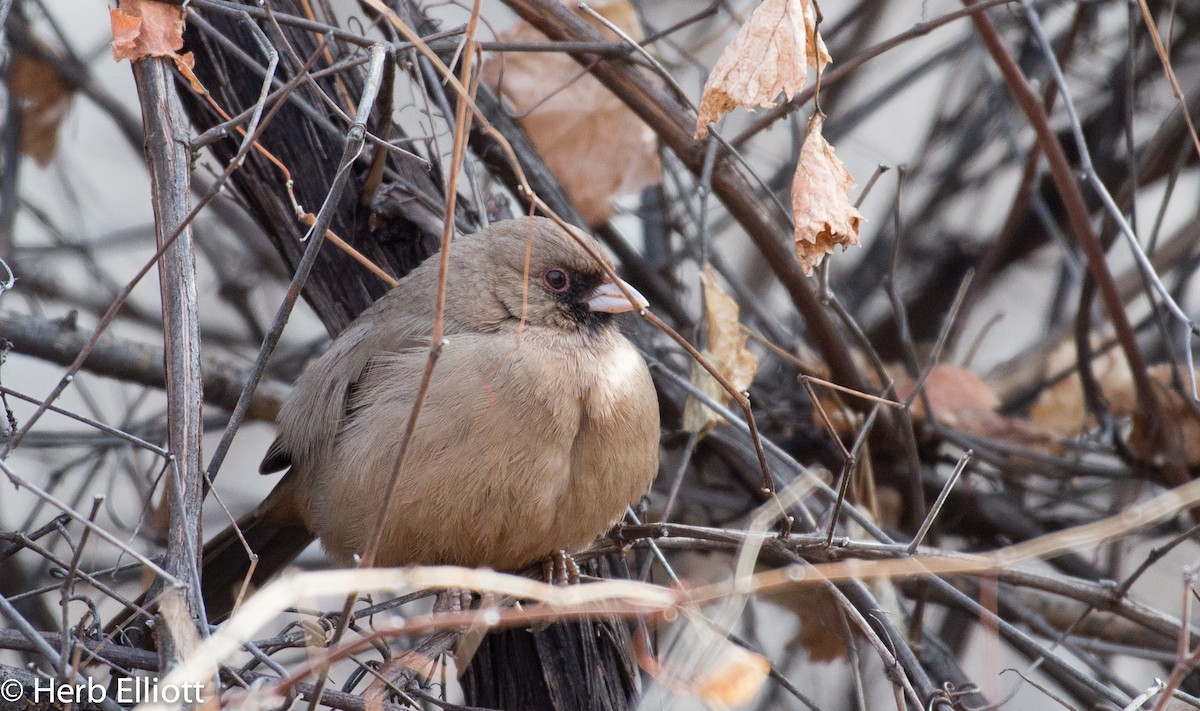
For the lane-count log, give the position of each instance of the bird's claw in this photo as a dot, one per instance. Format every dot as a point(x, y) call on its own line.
point(560, 569)
point(452, 600)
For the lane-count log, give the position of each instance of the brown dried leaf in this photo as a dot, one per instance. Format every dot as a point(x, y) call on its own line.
point(146, 28)
point(953, 393)
point(962, 400)
point(821, 206)
point(44, 99)
point(726, 351)
point(1061, 409)
point(768, 56)
point(816, 611)
point(125, 33)
point(733, 677)
point(186, 65)
point(1183, 429)
point(596, 147)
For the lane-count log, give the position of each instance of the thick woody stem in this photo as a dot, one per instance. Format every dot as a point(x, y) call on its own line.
point(169, 158)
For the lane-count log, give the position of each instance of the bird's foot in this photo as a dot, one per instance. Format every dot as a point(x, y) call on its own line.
point(560, 569)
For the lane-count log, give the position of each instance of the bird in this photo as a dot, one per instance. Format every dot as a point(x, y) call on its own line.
point(539, 428)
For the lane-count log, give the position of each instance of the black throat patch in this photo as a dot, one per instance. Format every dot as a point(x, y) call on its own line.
point(574, 301)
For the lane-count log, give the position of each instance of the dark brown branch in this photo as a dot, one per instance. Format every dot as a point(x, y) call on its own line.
point(1026, 97)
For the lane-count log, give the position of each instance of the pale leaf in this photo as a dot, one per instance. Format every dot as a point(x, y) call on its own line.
point(726, 351)
point(821, 208)
point(146, 28)
point(735, 677)
point(817, 53)
point(768, 56)
point(962, 400)
point(1062, 408)
point(596, 147)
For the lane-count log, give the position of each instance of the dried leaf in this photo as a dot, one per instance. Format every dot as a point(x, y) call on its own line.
point(726, 351)
point(816, 52)
point(1061, 409)
point(44, 99)
point(186, 65)
point(952, 392)
point(146, 28)
point(734, 678)
point(962, 400)
point(768, 56)
point(1183, 428)
point(815, 610)
point(125, 30)
point(821, 207)
point(596, 147)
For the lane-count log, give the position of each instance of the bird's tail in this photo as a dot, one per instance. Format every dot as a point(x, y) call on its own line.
point(271, 531)
point(275, 539)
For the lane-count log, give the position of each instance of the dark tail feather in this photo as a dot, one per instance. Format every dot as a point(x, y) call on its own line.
point(226, 563)
point(272, 531)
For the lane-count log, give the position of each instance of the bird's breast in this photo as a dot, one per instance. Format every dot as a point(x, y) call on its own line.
point(522, 447)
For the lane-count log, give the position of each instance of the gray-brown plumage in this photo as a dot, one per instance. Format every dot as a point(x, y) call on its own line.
point(539, 427)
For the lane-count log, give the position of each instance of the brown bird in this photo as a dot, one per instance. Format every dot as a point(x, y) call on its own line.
point(539, 428)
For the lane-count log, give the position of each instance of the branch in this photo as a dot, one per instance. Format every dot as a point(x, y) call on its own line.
point(170, 168)
point(59, 341)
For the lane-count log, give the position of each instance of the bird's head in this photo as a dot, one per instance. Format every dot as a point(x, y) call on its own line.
point(543, 276)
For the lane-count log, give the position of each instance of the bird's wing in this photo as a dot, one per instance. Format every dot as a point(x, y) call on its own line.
point(319, 402)
point(491, 454)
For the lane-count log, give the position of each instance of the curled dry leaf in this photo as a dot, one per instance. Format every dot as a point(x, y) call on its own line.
point(726, 351)
point(768, 56)
point(146, 28)
point(821, 207)
point(44, 100)
point(125, 31)
point(150, 28)
point(596, 147)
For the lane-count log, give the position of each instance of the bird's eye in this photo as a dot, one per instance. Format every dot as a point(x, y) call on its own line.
point(556, 280)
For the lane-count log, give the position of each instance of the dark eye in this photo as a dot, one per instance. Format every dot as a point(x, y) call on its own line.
point(556, 280)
